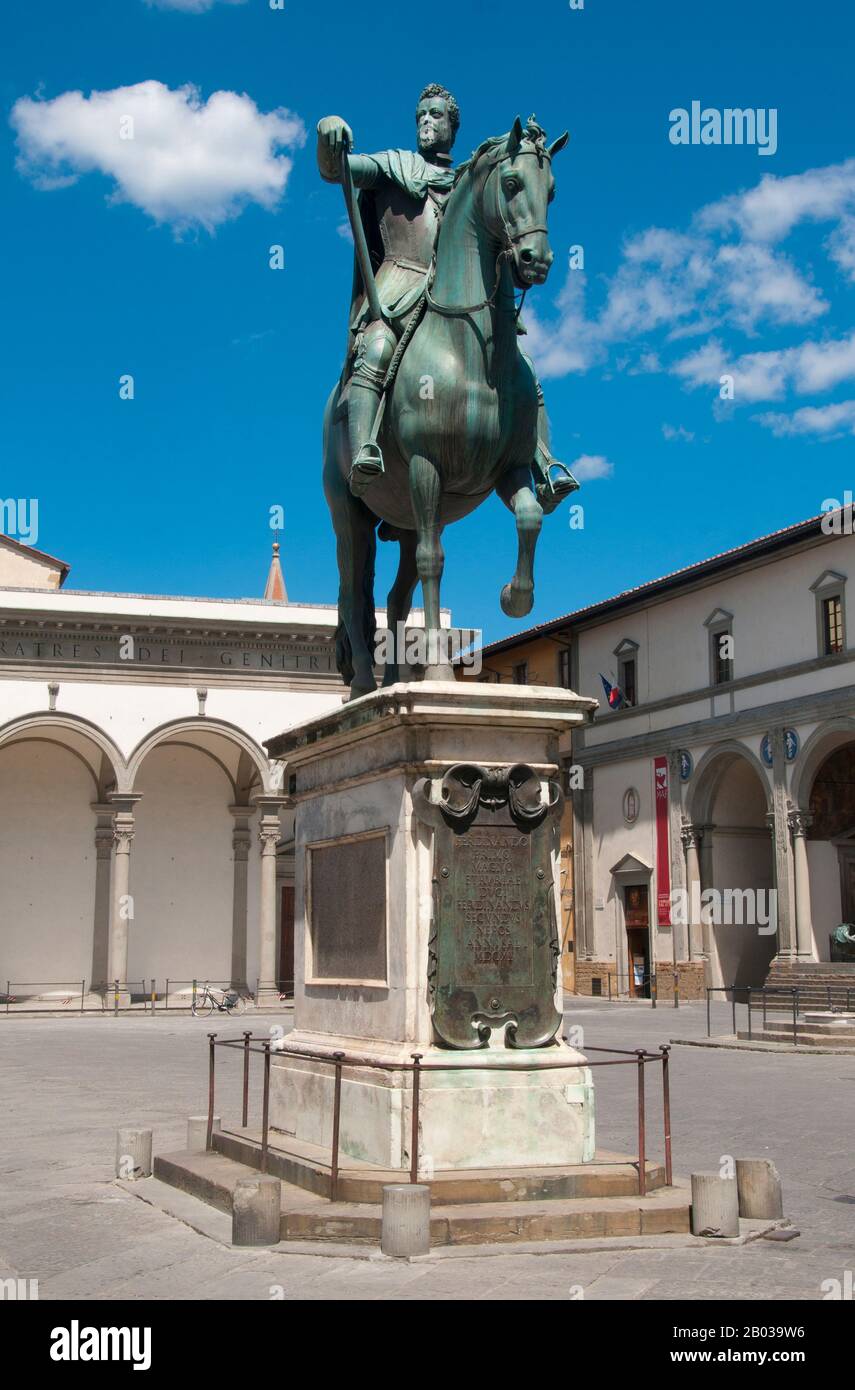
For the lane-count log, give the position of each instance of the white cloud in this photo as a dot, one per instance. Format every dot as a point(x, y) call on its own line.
point(756, 283)
point(825, 422)
point(569, 343)
point(189, 6)
point(767, 376)
point(590, 466)
point(771, 210)
point(190, 162)
point(678, 432)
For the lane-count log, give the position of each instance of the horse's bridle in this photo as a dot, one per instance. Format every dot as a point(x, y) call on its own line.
point(504, 253)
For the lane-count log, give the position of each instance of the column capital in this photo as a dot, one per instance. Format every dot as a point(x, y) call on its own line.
point(799, 821)
point(691, 835)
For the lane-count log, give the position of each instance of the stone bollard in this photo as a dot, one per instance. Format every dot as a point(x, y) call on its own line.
point(197, 1132)
point(133, 1153)
point(406, 1219)
point(760, 1192)
point(715, 1205)
point(256, 1206)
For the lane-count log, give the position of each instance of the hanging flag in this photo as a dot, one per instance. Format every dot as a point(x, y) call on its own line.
point(613, 693)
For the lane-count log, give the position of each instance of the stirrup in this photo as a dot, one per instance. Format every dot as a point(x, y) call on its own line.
point(555, 486)
point(367, 467)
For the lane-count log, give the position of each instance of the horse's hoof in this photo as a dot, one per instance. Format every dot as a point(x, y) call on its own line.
point(517, 600)
point(357, 691)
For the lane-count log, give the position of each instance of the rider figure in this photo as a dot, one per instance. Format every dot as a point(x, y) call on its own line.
point(401, 202)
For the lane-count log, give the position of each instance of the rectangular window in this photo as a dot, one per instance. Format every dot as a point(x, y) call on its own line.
point(722, 656)
point(832, 625)
point(564, 669)
point(626, 680)
point(521, 673)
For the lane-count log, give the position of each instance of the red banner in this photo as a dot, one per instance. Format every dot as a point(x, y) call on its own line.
point(663, 843)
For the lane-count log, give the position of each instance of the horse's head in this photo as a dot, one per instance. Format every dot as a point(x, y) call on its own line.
point(516, 197)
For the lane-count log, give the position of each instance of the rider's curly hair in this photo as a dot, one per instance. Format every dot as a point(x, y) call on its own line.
point(434, 89)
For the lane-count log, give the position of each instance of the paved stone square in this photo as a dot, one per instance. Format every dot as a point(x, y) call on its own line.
point(68, 1083)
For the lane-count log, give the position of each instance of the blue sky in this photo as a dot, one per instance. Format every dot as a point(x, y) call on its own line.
point(151, 258)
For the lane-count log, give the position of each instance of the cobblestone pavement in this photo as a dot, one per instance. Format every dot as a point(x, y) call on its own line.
point(67, 1084)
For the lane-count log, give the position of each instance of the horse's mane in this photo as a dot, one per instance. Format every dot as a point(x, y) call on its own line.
point(533, 134)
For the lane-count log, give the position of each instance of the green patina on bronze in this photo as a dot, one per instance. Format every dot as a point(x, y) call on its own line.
point(436, 406)
point(494, 947)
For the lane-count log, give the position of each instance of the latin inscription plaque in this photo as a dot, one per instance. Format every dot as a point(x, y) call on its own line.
point(347, 910)
point(494, 945)
point(492, 882)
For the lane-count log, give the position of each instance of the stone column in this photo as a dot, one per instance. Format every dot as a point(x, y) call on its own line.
point(102, 913)
point(782, 858)
point(799, 822)
point(122, 904)
point(705, 863)
point(241, 841)
point(269, 835)
point(691, 837)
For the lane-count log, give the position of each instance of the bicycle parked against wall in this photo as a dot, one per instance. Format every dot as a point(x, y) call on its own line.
point(227, 1001)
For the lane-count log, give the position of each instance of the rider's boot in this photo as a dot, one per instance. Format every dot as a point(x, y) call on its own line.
point(367, 456)
point(553, 480)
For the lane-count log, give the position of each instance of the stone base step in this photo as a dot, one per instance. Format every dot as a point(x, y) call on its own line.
point(308, 1216)
point(805, 1037)
point(308, 1167)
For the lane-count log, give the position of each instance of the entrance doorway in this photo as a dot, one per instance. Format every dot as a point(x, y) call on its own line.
point(636, 902)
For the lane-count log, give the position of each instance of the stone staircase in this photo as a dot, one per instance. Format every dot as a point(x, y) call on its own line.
point(471, 1207)
point(821, 984)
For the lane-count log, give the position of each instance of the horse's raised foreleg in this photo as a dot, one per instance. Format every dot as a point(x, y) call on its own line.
point(400, 599)
point(426, 494)
point(515, 490)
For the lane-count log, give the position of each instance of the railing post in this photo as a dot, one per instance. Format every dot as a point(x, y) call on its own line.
point(210, 1130)
point(414, 1141)
point(8, 993)
point(115, 998)
point(642, 1158)
point(709, 1024)
point(676, 988)
point(336, 1123)
point(733, 1002)
point(82, 993)
point(749, 1013)
point(166, 997)
point(764, 1008)
point(246, 1038)
point(795, 1013)
point(666, 1109)
point(609, 978)
point(193, 997)
point(265, 1109)
point(653, 999)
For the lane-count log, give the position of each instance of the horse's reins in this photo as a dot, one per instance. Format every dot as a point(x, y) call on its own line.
point(506, 251)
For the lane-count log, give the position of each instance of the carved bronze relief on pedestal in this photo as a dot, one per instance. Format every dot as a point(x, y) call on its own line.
point(494, 945)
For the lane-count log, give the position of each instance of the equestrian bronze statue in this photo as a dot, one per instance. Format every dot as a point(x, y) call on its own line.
point(436, 406)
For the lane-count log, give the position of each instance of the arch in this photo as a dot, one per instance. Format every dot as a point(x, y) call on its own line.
point(711, 771)
point(212, 737)
point(823, 741)
point(77, 735)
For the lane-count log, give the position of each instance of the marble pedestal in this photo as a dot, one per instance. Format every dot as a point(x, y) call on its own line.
point(366, 917)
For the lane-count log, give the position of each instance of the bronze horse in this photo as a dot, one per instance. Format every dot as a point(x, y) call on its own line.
point(461, 418)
